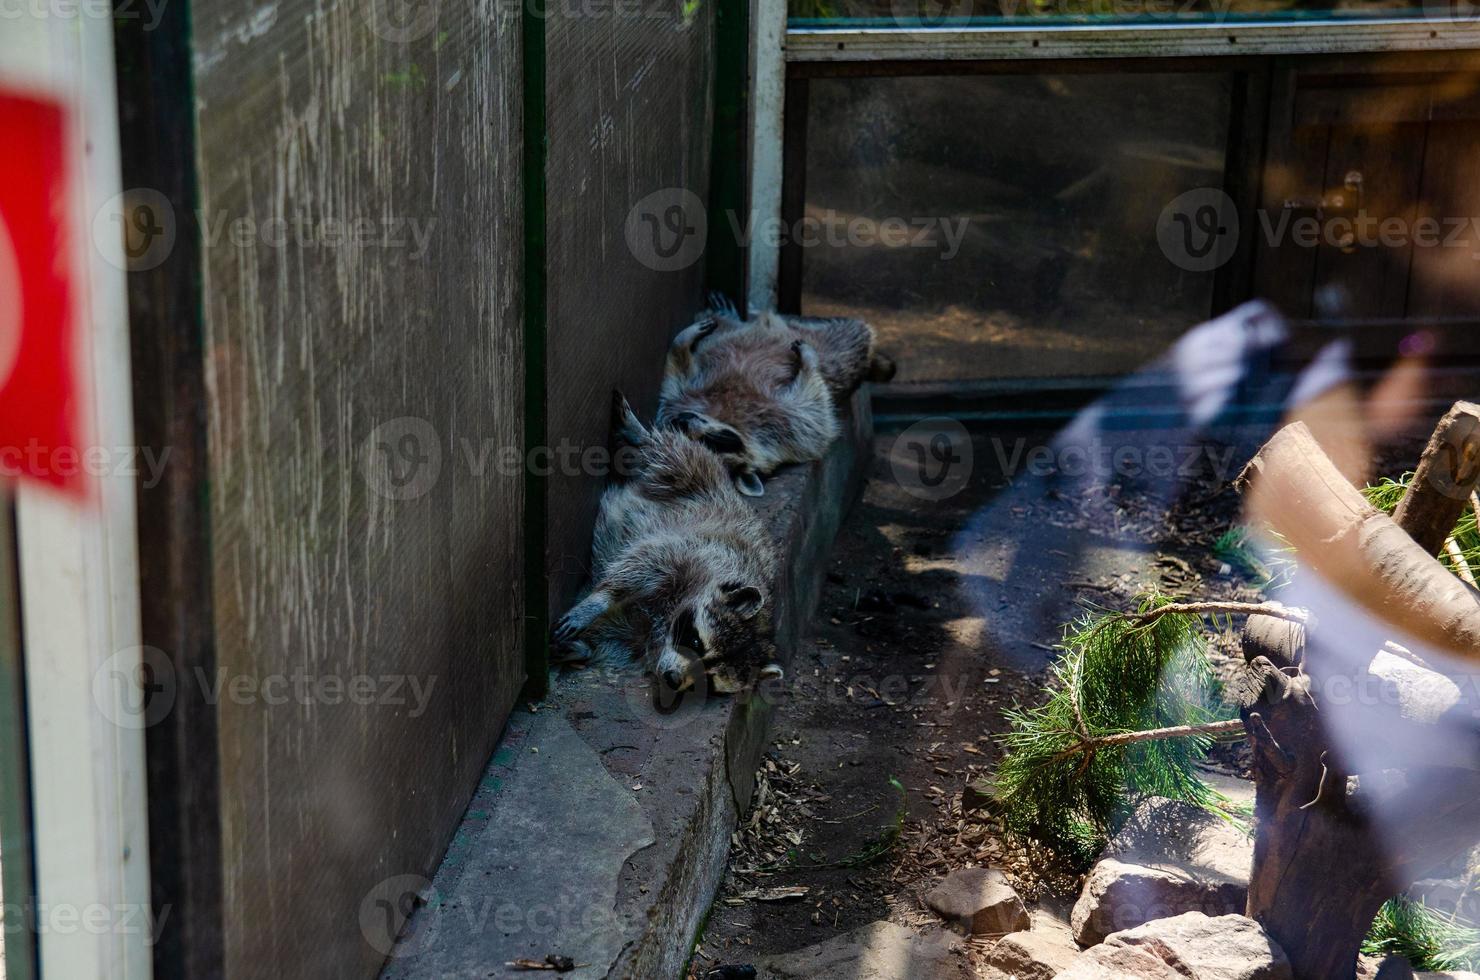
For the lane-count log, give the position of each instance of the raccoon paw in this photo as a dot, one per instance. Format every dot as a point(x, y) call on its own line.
point(574, 623)
point(625, 423)
point(688, 338)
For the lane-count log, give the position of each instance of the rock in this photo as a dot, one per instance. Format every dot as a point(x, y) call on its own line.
point(1450, 896)
point(1038, 954)
point(979, 794)
point(1451, 975)
point(980, 901)
point(877, 951)
point(1169, 858)
point(1226, 947)
point(1118, 963)
point(1390, 967)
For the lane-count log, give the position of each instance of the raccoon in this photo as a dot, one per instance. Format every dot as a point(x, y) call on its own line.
point(764, 392)
point(682, 567)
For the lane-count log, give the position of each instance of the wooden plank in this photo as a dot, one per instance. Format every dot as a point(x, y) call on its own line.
point(726, 258)
point(1283, 270)
point(1243, 176)
point(360, 188)
point(630, 102)
point(177, 618)
point(1026, 42)
point(793, 195)
point(1444, 281)
point(1368, 280)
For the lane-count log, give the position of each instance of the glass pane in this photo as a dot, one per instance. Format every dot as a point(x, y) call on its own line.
point(1032, 204)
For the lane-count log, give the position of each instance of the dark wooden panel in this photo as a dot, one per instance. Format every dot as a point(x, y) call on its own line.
point(1368, 280)
point(364, 367)
point(177, 612)
point(17, 875)
point(629, 101)
point(1296, 164)
point(1446, 273)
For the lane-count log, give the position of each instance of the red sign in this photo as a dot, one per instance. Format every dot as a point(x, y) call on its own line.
point(38, 390)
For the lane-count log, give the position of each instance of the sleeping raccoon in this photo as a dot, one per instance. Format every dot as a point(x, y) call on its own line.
point(765, 392)
point(682, 567)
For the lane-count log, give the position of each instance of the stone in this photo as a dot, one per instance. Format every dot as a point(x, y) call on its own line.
point(877, 951)
point(979, 794)
point(1169, 858)
point(1225, 947)
point(1390, 967)
point(1449, 896)
point(1118, 963)
point(980, 901)
point(1041, 953)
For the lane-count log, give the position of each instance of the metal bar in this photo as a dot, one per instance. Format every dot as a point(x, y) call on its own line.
point(536, 366)
point(767, 95)
point(1032, 42)
point(17, 867)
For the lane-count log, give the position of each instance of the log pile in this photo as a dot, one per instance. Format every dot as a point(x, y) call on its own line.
point(1359, 797)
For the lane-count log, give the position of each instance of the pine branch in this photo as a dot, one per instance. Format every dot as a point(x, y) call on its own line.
point(1275, 609)
point(1210, 729)
point(1130, 711)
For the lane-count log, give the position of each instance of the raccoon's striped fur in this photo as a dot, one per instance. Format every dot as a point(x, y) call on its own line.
point(765, 392)
point(682, 568)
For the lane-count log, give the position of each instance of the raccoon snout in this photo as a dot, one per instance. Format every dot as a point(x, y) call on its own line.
point(675, 680)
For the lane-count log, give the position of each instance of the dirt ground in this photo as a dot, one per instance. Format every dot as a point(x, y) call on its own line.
point(936, 616)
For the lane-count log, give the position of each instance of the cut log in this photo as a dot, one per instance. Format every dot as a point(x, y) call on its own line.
point(1293, 486)
point(1328, 849)
point(1447, 474)
point(1318, 878)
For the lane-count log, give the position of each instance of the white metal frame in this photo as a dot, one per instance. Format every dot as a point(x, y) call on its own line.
point(767, 109)
point(78, 562)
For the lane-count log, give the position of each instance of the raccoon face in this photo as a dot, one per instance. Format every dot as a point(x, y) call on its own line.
point(726, 637)
point(726, 442)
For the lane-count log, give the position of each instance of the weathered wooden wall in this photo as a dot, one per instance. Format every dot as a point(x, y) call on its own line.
point(360, 189)
point(629, 96)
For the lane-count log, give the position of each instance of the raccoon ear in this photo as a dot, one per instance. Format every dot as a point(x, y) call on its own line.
point(723, 439)
point(772, 672)
point(804, 359)
point(750, 485)
point(746, 600)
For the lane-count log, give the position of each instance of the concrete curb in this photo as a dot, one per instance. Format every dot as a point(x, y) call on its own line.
point(552, 835)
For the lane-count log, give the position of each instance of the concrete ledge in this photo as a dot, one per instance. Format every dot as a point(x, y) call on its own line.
point(601, 827)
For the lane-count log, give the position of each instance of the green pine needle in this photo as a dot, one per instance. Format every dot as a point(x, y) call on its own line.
point(1385, 494)
point(1119, 674)
point(1428, 940)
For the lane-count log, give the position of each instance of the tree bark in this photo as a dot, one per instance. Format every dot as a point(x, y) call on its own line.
point(1326, 856)
point(1318, 877)
point(1447, 474)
